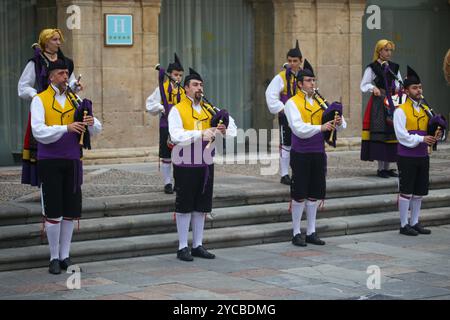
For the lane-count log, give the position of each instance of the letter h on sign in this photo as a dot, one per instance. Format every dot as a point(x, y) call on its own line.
point(118, 30)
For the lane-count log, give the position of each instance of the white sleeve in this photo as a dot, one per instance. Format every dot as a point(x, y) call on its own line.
point(299, 128)
point(25, 87)
point(43, 133)
point(232, 128)
point(273, 95)
point(72, 85)
point(397, 84)
point(178, 134)
point(153, 103)
point(96, 128)
point(366, 81)
point(403, 136)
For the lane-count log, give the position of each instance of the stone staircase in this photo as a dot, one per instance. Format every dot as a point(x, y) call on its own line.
point(136, 225)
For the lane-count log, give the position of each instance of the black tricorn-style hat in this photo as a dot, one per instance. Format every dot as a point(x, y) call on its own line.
point(58, 64)
point(295, 52)
point(176, 65)
point(307, 71)
point(411, 77)
point(193, 75)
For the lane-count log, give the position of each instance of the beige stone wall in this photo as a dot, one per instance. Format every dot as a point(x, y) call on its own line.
point(329, 32)
point(119, 79)
point(116, 79)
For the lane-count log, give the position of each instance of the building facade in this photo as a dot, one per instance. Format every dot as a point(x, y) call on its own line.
point(237, 45)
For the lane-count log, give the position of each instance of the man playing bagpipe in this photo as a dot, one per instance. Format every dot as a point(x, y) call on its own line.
point(308, 159)
point(193, 124)
point(417, 129)
point(59, 135)
point(378, 136)
point(282, 87)
point(34, 80)
point(168, 94)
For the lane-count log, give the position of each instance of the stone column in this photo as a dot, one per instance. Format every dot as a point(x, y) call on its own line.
point(329, 33)
point(116, 79)
point(263, 62)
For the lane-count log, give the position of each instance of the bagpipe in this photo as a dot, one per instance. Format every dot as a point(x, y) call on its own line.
point(437, 124)
point(82, 108)
point(331, 112)
point(163, 73)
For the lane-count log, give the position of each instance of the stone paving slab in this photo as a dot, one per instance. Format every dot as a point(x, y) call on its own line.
point(409, 270)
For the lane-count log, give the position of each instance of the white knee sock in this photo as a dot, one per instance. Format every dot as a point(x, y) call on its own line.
point(65, 238)
point(380, 165)
point(166, 169)
point(416, 203)
point(403, 207)
point(311, 212)
point(297, 212)
point(53, 231)
point(198, 224)
point(183, 220)
point(284, 160)
point(386, 165)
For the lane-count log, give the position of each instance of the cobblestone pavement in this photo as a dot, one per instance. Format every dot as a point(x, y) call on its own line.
point(409, 268)
point(120, 179)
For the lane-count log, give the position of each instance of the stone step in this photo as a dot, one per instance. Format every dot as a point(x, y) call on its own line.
point(157, 223)
point(106, 249)
point(259, 191)
point(126, 226)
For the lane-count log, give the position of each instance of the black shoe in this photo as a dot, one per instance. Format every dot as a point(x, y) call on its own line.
point(314, 239)
point(54, 267)
point(382, 173)
point(407, 230)
point(201, 252)
point(66, 263)
point(299, 240)
point(168, 188)
point(421, 229)
point(285, 180)
point(183, 254)
point(391, 173)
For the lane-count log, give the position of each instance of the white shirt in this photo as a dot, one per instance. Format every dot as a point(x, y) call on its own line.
point(184, 137)
point(368, 78)
point(403, 136)
point(49, 134)
point(153, 103)
point(273, 91)
point(300, 128)
point(25, 87)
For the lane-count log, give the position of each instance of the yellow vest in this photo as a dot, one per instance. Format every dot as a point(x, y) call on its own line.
point(192, 120)
point(172, 98)
point(310, 113)
point(54, 113)
point(415, 120)
point(282, 74)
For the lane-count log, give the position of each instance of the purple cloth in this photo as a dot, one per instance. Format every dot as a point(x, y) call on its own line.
point(419, 151)
point(377, 150)
point(315, 144)
point(67, 147)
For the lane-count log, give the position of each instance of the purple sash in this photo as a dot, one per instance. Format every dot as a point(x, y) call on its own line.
point(419, 151)
point(315, 144)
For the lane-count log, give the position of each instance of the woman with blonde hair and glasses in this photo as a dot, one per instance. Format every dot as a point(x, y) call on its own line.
point(34, 80)
point(378, 136)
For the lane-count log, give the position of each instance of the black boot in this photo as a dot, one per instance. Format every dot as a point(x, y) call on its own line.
point(314, 239)
point(407, 230)
point(285, 180)
point(201, 252)
point(184, 254)
point(299, 240)
point(421, 229)
point(54, 267)
point(168, 188)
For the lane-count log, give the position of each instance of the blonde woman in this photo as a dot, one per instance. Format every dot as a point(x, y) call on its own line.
point(34, 80)
point(378, 136)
